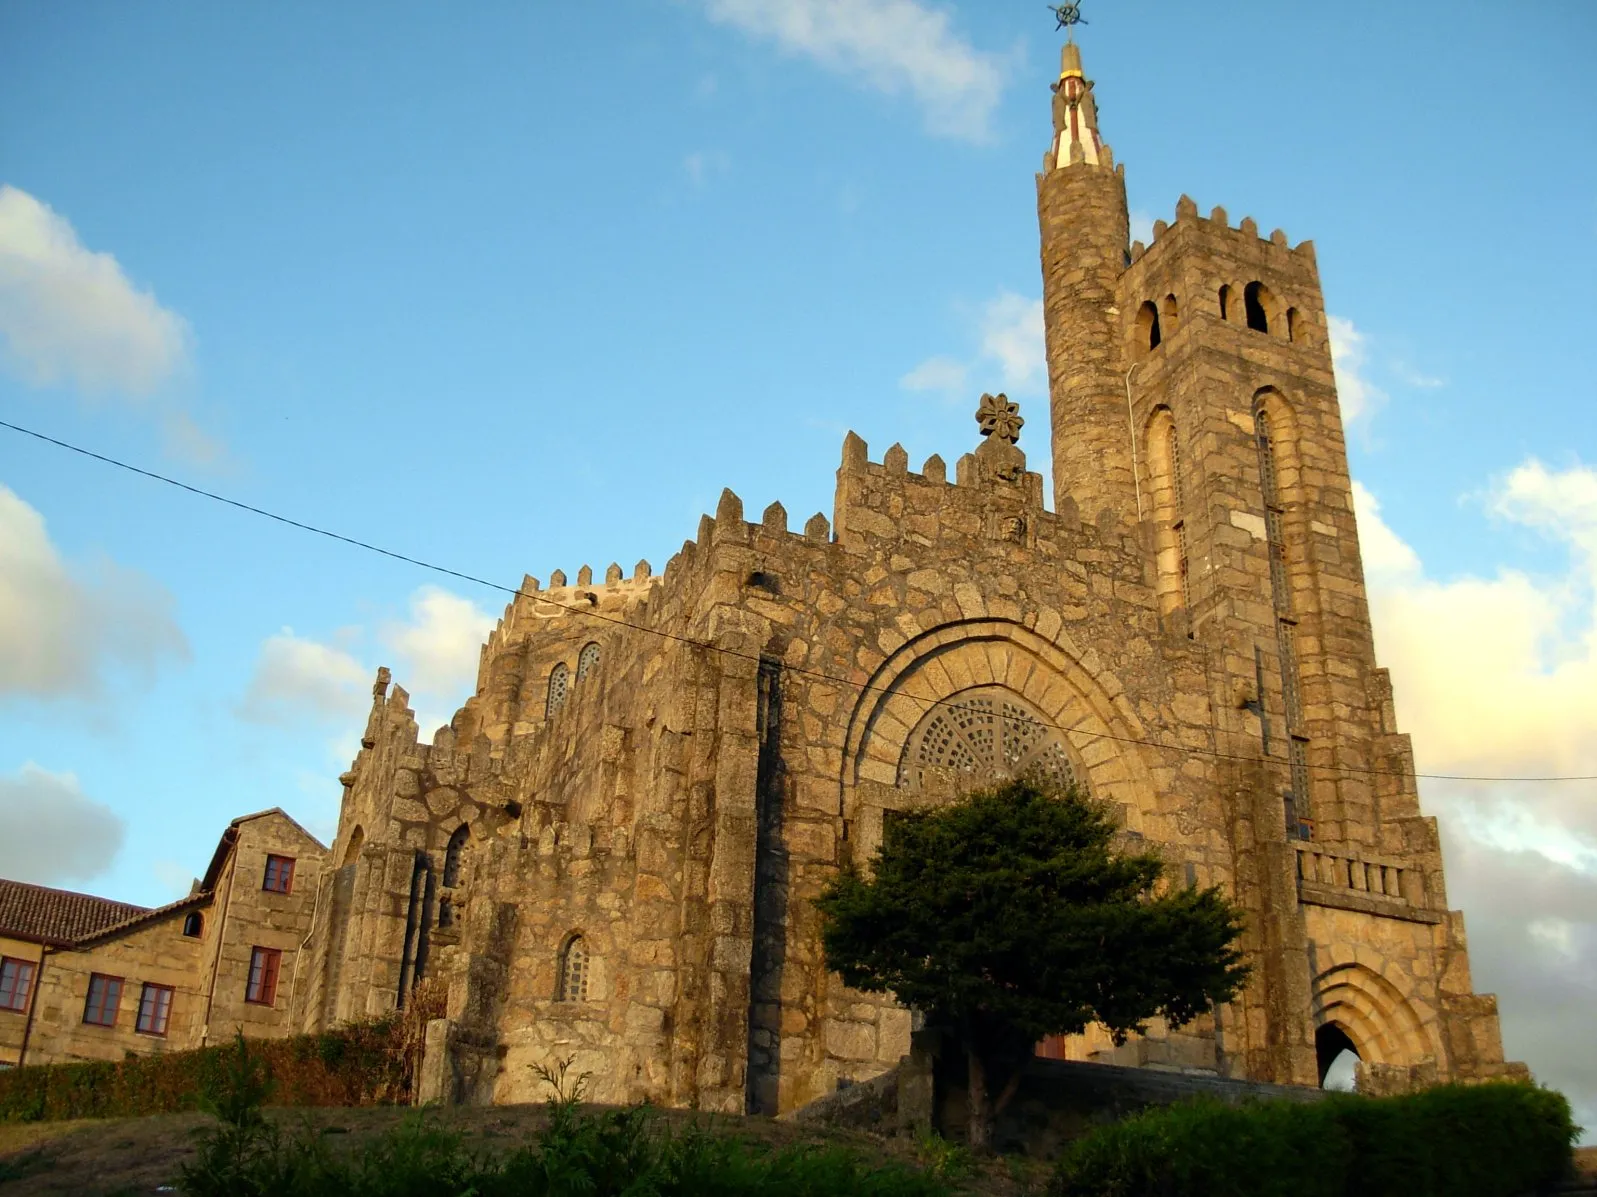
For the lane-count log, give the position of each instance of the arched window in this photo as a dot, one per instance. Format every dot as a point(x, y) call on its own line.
point(1172, 315)
point(1148, 326)
point(573, 971)
point(452, 853)
point(587, 660)
point(1164, 470)
point(1225, 301)
point(1256, 299)
point(193, 924)
point(559, 683)
point(357, 840)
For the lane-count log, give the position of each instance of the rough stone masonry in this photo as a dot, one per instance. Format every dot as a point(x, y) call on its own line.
point(608, 856)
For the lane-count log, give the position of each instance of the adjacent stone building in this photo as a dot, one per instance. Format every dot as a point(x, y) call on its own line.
point(610, 852)
point(85, 978)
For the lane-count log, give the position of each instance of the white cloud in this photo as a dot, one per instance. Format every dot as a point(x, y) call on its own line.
point(703, 165)
point(62, 629)
point(1416, 378)
point(1012, 338)
point(1010, 354)
point(437, 650)
point(51, 832)
point(1350, 362)
point(68, 314)
point(175, 879)
point(298, 679)
point(71, 316)
point(1387, 558)
point(936, 374)
point(894, 46)
point(433, 654)
point(1497, 676)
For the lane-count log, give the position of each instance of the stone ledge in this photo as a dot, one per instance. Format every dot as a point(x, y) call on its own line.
point(1313, 893)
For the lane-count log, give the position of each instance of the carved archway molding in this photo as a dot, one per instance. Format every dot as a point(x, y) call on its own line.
point(1067, 688)
point(1373, 1011)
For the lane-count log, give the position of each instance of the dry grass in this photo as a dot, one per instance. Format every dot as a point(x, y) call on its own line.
point(118, 1157)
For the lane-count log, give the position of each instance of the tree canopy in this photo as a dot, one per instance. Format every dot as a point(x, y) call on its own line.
point(1010, 915)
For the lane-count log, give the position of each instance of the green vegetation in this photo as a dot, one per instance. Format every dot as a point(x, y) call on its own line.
point(578, 1153)
point(360, 1064)
point(1493, 1140)
point(1009, 916)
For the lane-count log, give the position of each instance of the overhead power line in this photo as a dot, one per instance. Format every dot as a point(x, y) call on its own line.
point(862, 687)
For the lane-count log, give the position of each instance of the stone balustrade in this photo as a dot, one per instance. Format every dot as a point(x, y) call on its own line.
point(1352, 870)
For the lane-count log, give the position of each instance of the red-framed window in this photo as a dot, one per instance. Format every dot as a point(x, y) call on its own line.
point(261, 988)
point(279, 874)
point(155, 1005)
point(16, 983)
point(105, 995)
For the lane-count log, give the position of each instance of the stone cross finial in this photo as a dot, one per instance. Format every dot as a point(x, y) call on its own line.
point(997, 416)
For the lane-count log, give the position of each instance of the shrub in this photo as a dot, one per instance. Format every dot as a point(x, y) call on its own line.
point(588, 1154)
point(1493, 1140)
point(361, 1064)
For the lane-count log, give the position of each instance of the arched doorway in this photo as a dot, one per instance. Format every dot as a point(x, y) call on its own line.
point(1337, 1057)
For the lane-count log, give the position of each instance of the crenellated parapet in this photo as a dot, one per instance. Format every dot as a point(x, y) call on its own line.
point(1203, 271)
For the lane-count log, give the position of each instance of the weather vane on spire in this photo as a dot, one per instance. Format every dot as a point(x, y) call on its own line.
point(1067, 15)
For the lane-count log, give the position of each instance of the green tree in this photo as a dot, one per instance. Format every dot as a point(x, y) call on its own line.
point(1009, 915)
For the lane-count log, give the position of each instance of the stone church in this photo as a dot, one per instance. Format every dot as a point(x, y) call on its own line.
point(610, 852)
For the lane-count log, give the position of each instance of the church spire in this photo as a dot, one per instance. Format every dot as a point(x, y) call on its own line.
point(1075, 117)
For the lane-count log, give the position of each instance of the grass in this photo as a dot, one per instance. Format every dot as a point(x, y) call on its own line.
point(136, 1155)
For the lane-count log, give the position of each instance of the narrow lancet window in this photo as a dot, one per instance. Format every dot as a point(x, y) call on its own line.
point(587, 660)
point(573, 971)
point(559, 684)
point(1255, 298)
point(1179, 524)
point(1164, 469)
point(1298, 816)
point(453, 853)
point(1148, 336)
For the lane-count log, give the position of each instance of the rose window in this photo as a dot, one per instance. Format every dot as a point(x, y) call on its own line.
point(985, 735)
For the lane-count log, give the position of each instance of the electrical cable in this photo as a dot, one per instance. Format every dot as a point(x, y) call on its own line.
point(862, 687)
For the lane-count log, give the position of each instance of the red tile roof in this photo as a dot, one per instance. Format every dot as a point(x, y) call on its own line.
point(57, 916)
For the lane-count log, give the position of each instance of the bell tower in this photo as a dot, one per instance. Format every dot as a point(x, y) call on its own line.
point(1192, 395)
point(1193, 401)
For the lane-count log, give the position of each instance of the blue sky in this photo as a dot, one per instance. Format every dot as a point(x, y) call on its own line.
point(521, 287)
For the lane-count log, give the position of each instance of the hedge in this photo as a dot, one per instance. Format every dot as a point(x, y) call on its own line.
point(357, 1065)
point(1491, 1140)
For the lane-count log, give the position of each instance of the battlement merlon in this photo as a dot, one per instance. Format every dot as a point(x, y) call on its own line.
point(1242, 240)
